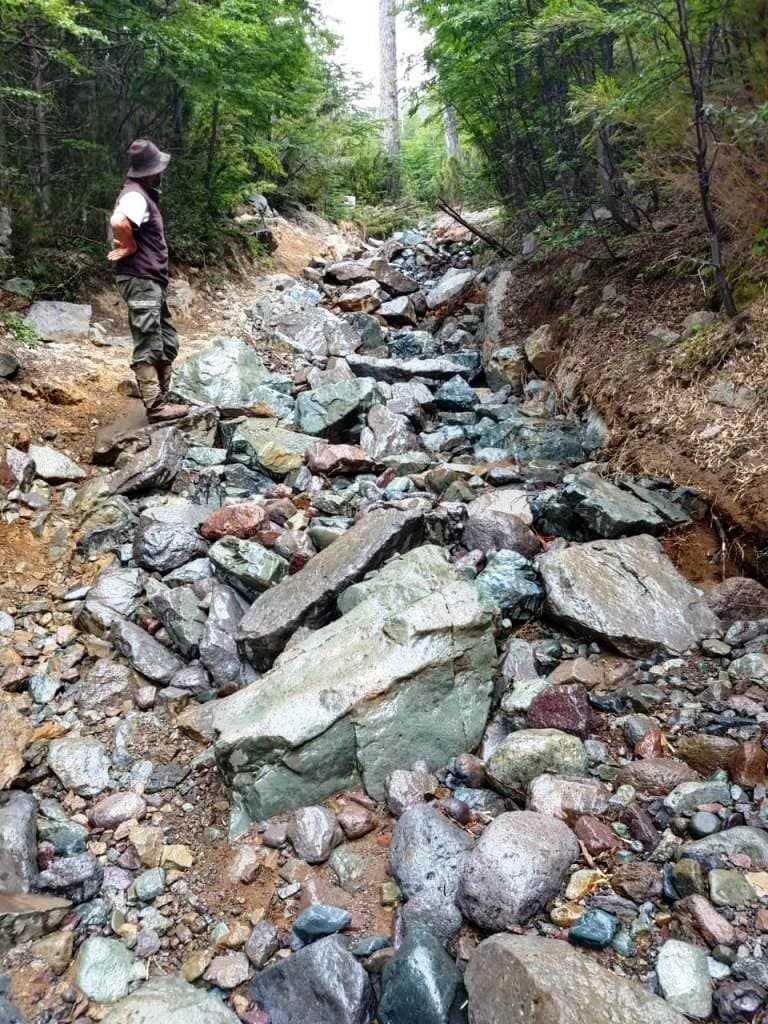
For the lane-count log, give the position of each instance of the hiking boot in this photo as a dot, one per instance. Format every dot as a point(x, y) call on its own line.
point(162, 411)
point(164, 374)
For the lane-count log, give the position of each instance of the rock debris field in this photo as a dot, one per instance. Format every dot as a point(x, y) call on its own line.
point(374, 696)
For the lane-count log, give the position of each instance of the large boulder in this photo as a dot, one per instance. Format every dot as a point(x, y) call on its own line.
point(231, 376)
point(173, 1001)
point(516, 868)
point(59, 321)
point(543, 981)
point(322, 982)
point(308, 597)
point(420, 982)
point(627, 593)
point(155, 467)
point(357, 699)
point(590, 507)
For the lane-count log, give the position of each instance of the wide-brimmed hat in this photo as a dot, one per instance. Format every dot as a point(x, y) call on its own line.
point(146, 159)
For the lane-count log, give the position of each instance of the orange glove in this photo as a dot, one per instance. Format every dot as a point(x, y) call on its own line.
point(122, 233)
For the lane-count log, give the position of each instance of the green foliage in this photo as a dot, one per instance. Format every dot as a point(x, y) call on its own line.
point(20, 330)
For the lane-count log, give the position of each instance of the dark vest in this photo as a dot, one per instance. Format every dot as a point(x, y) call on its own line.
point(151, 258)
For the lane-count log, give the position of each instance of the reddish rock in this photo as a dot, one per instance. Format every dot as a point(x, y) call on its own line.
point(706, 754)
point(596, 836)
point(749, 764)
point(738, 599)
point(269, 534)
point(580, 670)
point(638, 881)
point(712, 925)
point(331, 459)
point(562, 707)
point(761, 920)
point(243, 520)
point(656, 776)
point(356, 821)
point(650, 745)
point(297, 562)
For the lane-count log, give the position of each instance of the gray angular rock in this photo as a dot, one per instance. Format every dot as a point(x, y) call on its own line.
point(393, 279)
point(59, 321)
point(320, 920)
point(331, 407)
point(313, 833)
point(400, 311)
point(426, 853)
point(323, 975)
point(628, 593)
point(419, 983)
point(393, 370)
point(119, 590)
point(247, 566)
point(515, 869)
point(349, 272)
point(316, 332)
point(510, 582)
point(104, 969)
point(606, 510)
point(18, 842)
point(452, 288)
point(307, 598)
point(683, 975)
point(229, 375)
point(155, 467)
point(180, 612)
point(144, 653)
point(173, 1001)
point(54, 466)
point(80, 764)
point(544, 981)
point(387, 434)
point(219, 652)
point(77, 878)
point(24, 917)
point(262, 944)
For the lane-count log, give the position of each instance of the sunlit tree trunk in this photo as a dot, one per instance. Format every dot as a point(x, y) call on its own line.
point(389, 108)
point(452, 144)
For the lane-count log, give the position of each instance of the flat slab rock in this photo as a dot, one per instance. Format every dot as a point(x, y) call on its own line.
point(307, 598)
point(543, 981)
point(627, 593)
point(230, 375)
point(59, 321)
point(351, 702)
point(172, 1001)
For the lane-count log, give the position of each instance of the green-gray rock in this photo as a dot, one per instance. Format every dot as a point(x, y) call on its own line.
point(744, 840)
point(729, 888)
point(247, 566)
point(333, 406)
point(393, 679)
point(104, 969)
point(683, 977)
point(172, 1001)
point(271, 449)
point(528, 753)
point(232, 376)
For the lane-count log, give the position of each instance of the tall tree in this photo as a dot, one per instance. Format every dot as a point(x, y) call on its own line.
point(389, 106)
point(452, 144)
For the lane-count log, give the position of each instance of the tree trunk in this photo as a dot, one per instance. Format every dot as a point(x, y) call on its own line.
point(43, 176)
point(389, 108)
point(612, 183)
point(452, 144)
point(697, 71)
point(210, 164)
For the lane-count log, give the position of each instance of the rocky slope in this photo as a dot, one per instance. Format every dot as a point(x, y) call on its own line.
point(372, 695)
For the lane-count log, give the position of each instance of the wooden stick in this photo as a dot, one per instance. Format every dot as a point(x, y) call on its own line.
point(499, 247)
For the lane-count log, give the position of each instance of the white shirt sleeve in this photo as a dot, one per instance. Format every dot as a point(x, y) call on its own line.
point(134, 206)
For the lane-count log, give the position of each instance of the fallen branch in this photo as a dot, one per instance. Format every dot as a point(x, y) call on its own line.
point(497, 246)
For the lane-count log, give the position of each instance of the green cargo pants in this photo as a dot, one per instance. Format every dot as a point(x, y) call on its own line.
point(154, 337)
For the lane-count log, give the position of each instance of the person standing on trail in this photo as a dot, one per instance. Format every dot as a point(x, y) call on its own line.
point(140, 257)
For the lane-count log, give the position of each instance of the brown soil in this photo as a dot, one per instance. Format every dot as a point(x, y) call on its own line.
point(654, 397)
